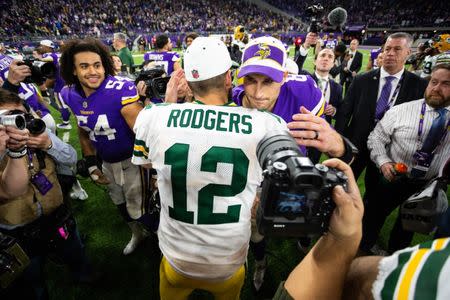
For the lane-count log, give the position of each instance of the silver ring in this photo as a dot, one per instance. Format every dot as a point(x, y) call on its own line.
point(317, 135)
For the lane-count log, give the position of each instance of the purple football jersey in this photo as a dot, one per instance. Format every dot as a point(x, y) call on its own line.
point(5, 61)
point(373, 55)
point(59, 82)
point(100, 116)
point(164, 59)
point(29, 94)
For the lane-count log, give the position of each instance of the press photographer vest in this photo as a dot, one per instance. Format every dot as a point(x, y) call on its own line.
point(30, 206)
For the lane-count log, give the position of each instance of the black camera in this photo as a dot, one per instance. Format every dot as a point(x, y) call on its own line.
point(156, 81)
point(314, 12)
point(296, 194)
point(40, 71)
point(21, 120)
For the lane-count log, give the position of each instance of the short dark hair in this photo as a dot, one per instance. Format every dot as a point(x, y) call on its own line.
point(439, 66)
point(161, 41)
point(203, 87)
point(192, 35)
point(8, 97)
point(73, 47)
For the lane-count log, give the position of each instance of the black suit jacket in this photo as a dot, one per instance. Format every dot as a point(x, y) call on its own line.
point(356, 116)
point(346, 76)
point(335, 96)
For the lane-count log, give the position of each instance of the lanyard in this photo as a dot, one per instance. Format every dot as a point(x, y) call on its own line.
point(421, 120)
point(396, 91)
point(30, 162)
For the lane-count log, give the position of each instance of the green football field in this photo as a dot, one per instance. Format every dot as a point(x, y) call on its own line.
point(137, 276)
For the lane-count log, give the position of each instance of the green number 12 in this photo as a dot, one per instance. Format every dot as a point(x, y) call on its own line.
point(177, 157)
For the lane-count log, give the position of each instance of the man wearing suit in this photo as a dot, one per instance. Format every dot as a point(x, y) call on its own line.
point(331, 90)
point(357, 116)
point(372, 94)
point(353, 66)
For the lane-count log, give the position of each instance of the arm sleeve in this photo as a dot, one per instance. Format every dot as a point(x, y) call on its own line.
point(142, 132)
point(380, 137)
point(61, 152)
point(129, 93)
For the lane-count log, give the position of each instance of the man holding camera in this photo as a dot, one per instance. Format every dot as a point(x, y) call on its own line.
point(106, 109)
point(208, 172)
point(38, 219)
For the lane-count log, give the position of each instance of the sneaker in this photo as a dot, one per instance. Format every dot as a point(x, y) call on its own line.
point(64, 126)
point(258, 275)
point(78, 192)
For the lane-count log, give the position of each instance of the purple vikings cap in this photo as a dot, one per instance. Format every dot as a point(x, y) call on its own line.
point(264, 55)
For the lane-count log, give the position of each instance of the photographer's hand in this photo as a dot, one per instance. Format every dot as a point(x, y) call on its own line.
point(173, 86)
point(4, 137)
point(141, 88)
point(41, 141)
point(346, 221)
point(17, 73)
point(311, 39)
point(17, 138)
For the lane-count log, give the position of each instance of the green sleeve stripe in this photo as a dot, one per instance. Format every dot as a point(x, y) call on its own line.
point(141, 143)
point(427, 281)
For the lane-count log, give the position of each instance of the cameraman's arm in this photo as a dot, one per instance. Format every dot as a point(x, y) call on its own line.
point(14, 179)
point(62, 153)
point(321, 274)
point(16, 74)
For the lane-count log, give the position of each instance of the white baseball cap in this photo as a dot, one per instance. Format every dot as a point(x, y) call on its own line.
point(205, 58)
point(47, 43)
point(264, 55)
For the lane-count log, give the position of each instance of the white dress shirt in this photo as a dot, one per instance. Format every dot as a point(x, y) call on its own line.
point(395, 137)
point(324, 82)
point(383, 75)
point(349, 63)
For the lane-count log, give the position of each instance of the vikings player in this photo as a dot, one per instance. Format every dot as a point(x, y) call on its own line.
point(267, 86)
point(372, 63)
point(163, 55)
point(106, 109)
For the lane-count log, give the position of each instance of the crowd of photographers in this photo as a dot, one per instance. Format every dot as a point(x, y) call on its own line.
point(38, 167)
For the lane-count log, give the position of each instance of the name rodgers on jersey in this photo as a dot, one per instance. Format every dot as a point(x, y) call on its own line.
point(211, 120)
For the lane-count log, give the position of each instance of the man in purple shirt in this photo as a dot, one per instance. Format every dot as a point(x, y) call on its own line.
point(163, 56)
point(268, 86)
point(106, 109)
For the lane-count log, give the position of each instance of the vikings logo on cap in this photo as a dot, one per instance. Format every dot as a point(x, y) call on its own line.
point(264, 51)
point(195, 74)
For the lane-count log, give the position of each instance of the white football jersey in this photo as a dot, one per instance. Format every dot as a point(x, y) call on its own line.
point(208, 172)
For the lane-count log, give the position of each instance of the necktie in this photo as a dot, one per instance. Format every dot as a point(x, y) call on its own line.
point(437, 128)
point(383, 101)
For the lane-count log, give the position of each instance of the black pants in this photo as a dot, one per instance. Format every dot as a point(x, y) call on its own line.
point(381, 198)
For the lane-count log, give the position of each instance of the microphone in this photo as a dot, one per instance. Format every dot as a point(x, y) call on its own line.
point(337, 17)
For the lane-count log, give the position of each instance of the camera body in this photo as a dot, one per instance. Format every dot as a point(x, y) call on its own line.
point(156, 81)
point(21, 121)
point(314, 12)
point(40, 71)
point(296, 194)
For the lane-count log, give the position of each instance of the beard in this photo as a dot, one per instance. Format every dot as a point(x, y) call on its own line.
point(437, 100)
